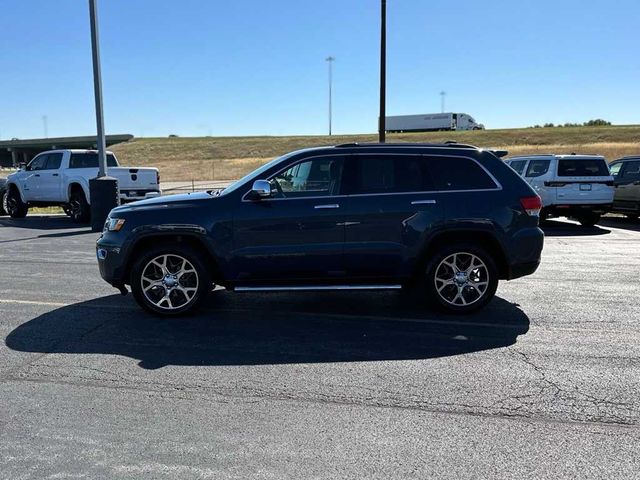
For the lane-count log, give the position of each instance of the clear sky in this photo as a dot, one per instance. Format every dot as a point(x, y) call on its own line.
point(248, 67)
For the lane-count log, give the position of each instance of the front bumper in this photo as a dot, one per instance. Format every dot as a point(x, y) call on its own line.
point(111, 262)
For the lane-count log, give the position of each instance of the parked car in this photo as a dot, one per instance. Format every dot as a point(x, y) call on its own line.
point(626, 179)
point(446, 221)
point(61, 178)
point(575, 186)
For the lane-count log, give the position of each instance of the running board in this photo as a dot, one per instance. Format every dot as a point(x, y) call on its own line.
point(310, 288)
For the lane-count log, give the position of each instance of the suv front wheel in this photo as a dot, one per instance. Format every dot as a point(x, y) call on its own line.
point(170, 280)
point(462, 278)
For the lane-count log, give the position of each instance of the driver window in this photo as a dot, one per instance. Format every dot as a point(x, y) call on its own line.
point(38, 163)
point(317, 177)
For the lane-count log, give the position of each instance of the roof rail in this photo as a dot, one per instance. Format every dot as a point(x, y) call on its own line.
point(447, 144)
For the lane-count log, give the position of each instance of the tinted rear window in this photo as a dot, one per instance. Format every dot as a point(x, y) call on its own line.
point(392, 174)
point(90, 160)
point(595, 167)
point(456, 173)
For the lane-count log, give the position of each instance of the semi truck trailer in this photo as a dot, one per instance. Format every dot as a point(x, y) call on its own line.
point(430, 122)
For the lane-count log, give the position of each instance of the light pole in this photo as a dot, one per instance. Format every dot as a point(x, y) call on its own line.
point(103, 190)
point(383, 70)
point(330, 61)
point(442, 95)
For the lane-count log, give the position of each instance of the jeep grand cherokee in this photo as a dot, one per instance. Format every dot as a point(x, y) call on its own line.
point(447, 221)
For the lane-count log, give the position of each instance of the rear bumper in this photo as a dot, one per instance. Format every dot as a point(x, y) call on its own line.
point(128, 196)
point(525, 252)
point(569, 210)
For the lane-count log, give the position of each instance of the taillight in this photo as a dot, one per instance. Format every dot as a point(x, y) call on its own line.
point(531, 205)
point(158, 178)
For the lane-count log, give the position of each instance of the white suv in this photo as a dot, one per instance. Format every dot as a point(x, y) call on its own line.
point(577, 186)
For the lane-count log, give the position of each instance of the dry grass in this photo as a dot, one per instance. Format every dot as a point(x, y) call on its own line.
point(226, 158)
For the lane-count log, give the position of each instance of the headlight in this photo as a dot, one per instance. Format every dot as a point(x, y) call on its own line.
point(114, 224)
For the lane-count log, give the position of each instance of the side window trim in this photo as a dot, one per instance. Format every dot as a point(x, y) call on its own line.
point(498, 185)
point(293, 164)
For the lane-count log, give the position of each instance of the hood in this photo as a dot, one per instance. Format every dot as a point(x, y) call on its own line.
point(168, 201)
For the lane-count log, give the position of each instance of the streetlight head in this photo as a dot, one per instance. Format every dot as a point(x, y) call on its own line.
point(330, 59)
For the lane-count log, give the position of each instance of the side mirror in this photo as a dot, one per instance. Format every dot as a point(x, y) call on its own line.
point(22, 165)
point(261, 189)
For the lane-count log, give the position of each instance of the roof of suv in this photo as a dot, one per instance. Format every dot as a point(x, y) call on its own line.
point(570, 156)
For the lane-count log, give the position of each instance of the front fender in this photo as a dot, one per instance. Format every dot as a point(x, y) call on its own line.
point(17, 186)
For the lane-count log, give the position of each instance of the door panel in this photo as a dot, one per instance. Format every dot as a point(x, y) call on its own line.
point(627, 195)
point(50, 179)
point(299, 233)
point(388, 213)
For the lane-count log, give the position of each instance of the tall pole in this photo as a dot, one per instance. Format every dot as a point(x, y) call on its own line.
point(442, 95)
point(383, 69)
point(97, 87)
point(330, 60)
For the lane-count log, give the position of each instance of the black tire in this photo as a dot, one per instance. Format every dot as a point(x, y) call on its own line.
point(588, 219)
point(464, 297)
point(3, 203)
point(80, 210)
point(16, 208)
point(179, 303)
point(66, 208)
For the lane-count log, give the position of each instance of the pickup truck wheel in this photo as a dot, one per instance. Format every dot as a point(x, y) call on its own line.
point(3, 203)
point(14, 205)
point(588, 219)
point(462, 278)
point(80, 210)
point(170, 280)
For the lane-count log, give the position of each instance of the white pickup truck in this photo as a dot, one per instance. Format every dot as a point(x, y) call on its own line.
point(61, 178)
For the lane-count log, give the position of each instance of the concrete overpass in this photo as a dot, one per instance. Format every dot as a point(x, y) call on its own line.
point(14, 152)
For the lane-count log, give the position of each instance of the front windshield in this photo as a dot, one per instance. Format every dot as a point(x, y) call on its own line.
point(254, 174)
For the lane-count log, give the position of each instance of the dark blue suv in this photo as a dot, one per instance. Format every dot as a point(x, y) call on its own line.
point(446, 221)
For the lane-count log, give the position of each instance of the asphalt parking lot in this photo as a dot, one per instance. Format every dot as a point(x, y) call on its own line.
point(544, 383)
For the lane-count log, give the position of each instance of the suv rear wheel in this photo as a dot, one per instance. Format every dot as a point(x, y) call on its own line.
point(462, 278)
point(170, 280)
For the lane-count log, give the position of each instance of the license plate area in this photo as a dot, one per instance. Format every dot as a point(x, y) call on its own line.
point(585, 187)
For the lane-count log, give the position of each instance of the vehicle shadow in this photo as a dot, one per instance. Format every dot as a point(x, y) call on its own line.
point(62, 225)
point(560, 228)
point(621, 222)
point(254, 329)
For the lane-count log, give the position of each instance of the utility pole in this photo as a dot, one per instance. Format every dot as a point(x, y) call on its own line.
point(97, 88)
point(442, 95)
point(103, 190)
point(330, 60)
point(45, 125)
point(383, 70)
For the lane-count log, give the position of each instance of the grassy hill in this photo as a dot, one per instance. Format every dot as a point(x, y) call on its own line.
point(224, 158)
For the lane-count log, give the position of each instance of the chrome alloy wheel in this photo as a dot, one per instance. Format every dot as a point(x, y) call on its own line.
point(169, 281)
point(461, 279)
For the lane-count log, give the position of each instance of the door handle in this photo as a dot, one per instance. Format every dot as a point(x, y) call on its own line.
point(55, 174)
point(327, 207)
point(36, 174)
point(423, 202)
